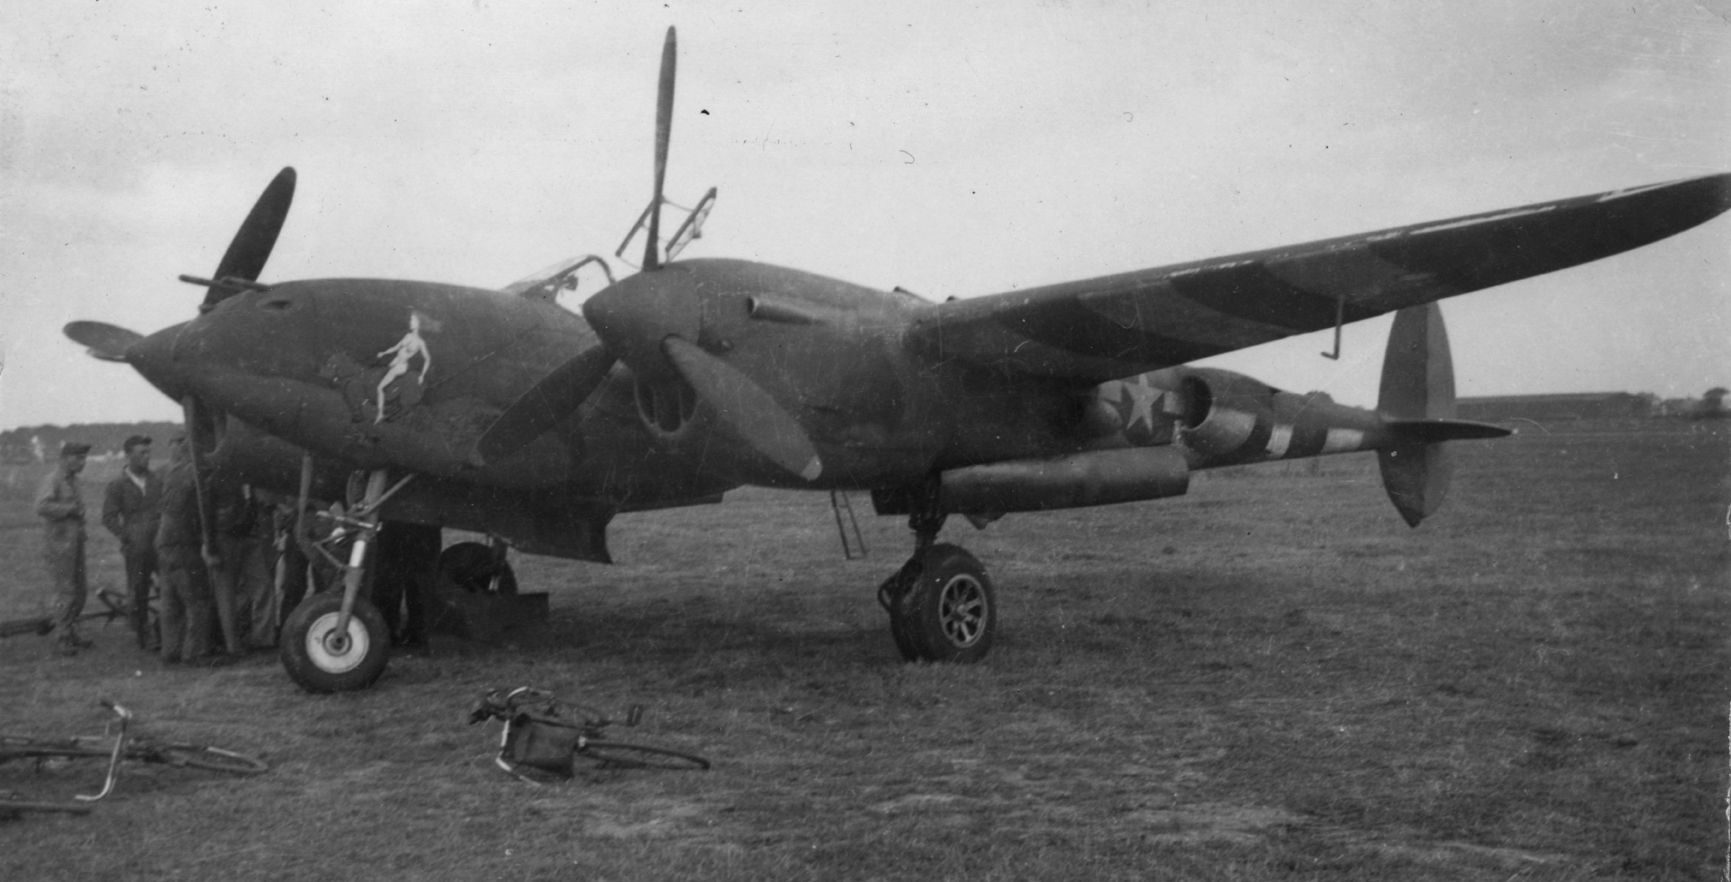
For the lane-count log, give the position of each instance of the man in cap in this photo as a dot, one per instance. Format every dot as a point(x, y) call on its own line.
point(59, 503)
point(131, 509)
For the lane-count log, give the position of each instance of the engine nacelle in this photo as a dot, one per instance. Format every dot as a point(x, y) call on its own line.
point(1224, 417)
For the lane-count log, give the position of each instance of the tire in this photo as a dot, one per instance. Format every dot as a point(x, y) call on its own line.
point(317, 666)
point(213, 759)
point(890, 594)
point(471, 566)
point(619, 755)
point(950, 612)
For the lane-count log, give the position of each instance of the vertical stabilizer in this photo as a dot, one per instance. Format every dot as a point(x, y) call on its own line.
point(1418, 383)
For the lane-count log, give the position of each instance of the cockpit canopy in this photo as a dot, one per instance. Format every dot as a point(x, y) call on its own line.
point(567, 283)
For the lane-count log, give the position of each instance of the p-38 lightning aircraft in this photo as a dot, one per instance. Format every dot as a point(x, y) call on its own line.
point(503, 413)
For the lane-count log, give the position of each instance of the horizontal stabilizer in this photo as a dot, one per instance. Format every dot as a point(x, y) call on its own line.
point(1432, 431)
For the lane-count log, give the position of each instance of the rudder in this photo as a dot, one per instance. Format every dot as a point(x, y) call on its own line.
point(1418, 383)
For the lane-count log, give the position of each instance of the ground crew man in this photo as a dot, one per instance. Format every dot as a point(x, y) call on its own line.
point(243, 581)
point(185, 616)
point(58, 502)
point(407, 563)
point(131, 510)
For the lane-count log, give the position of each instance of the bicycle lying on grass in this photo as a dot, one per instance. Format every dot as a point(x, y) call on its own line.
point(116, 606)
point(125, 746)
point(549, 735)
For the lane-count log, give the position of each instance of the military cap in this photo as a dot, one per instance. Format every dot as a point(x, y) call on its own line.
point(74, 448)
point(134, 441)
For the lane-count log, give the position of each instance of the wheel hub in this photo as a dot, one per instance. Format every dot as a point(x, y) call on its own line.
point(335, 651)
point(962, 611)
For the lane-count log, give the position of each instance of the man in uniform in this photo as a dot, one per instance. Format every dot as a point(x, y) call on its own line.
point(131, 509)
point(186, 595)
point(58, 502)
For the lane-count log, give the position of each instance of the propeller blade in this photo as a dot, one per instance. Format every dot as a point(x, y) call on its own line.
point(663, 133)
point(201, 488)
point(746, 408)
point(551, 399)
point(256, 237)
point(105, 341)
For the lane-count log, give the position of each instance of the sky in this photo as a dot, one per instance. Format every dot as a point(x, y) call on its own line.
point(951, 148)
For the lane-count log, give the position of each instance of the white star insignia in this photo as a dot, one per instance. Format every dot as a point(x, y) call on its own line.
point(1141, 404)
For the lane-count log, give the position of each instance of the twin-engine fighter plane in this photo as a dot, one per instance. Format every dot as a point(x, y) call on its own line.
point(503, 413)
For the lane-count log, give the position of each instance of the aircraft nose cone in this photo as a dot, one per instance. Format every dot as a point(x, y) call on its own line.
point(153, 357)
point(633, 316)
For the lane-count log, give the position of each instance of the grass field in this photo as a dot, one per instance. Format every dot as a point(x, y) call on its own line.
point(1270, 678)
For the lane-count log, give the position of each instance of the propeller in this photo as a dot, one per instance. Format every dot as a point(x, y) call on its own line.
point(550, 400)
point(238, 270)
point(104, 341)
point(189, 408)
point(663, 134)
point(562, 390)
point(752, 413)
point(650, 321)
point(252, 244)
point(241, 263)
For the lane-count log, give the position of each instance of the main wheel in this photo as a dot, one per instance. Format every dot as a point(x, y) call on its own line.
point(949, 612)
point(619, 755)
point(214, 759)
point(471, 566)
point(320, 658)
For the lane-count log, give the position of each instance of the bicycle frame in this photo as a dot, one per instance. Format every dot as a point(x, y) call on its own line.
point(116, 606)
point(127, 745)
point(585, 722)
point(114, 757)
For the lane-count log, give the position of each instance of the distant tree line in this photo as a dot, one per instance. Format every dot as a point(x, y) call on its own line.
point(20, 445)
point(1593, 405)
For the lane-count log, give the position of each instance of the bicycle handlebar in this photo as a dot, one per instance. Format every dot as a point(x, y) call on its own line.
point(506, 703)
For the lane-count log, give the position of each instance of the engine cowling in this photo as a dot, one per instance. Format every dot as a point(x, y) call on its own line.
point(1224, 417)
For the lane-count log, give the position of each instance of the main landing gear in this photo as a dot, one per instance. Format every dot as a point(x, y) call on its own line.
point(941, 605)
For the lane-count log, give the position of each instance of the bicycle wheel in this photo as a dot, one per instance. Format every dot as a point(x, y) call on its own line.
point(619, 755)
point(14, 807)
point(16, 747)
point(214, 759)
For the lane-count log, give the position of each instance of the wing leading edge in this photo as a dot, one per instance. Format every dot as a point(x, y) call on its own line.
point(1114, 326)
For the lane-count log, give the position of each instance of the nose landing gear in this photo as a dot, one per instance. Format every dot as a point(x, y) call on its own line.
point(337, 641)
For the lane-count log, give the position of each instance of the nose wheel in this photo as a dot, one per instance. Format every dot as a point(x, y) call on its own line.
point(941, 604)
point(321, 655)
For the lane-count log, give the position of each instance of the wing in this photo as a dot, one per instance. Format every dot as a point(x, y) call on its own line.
point(1115, 326)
